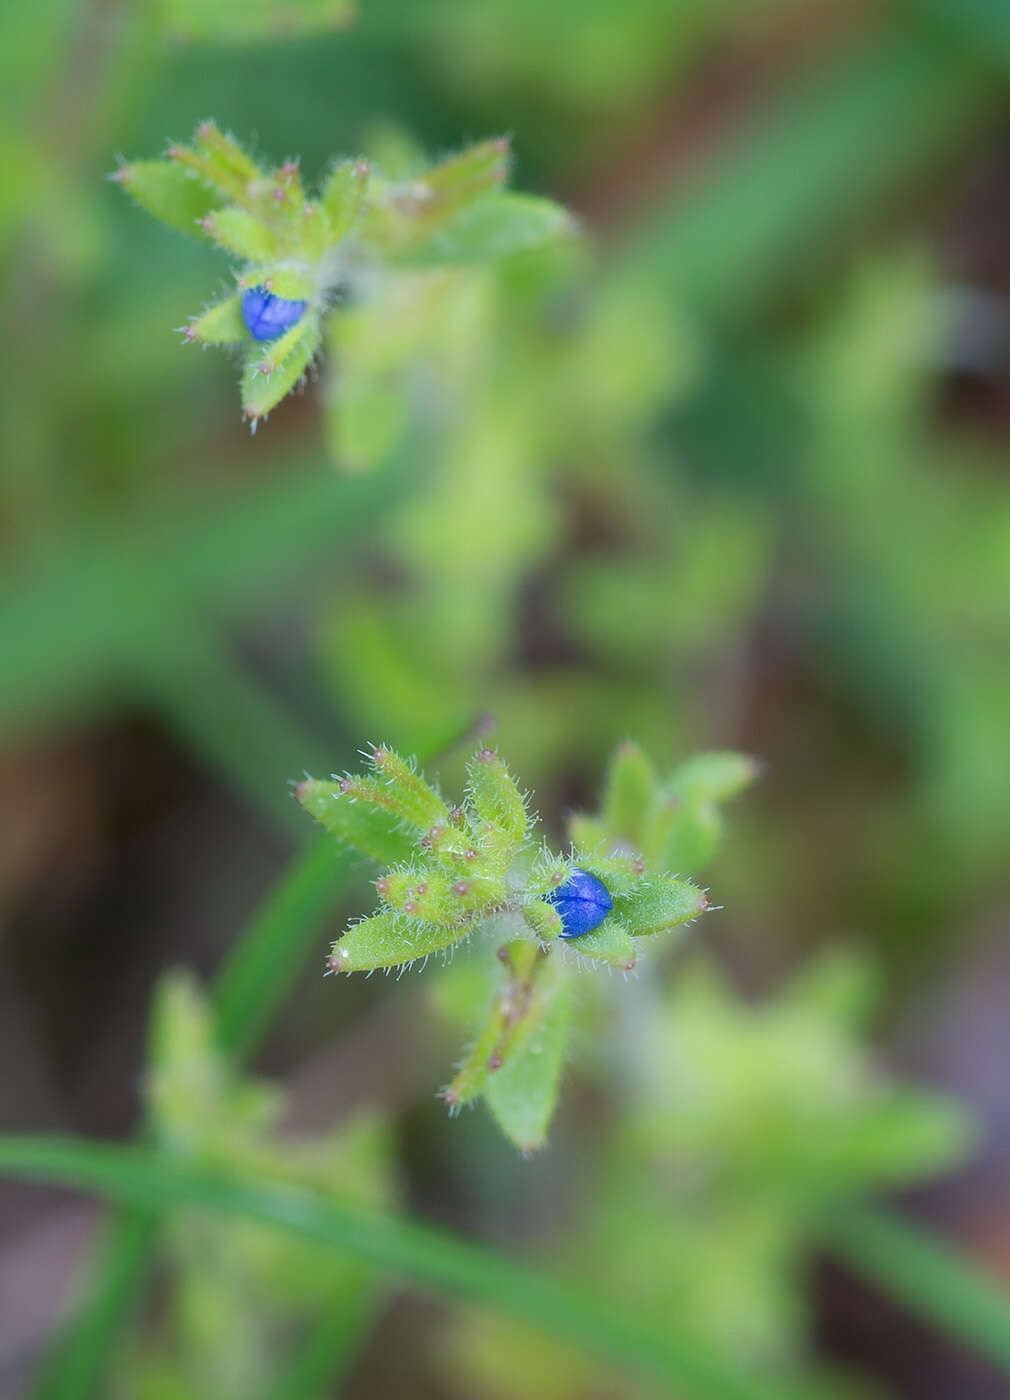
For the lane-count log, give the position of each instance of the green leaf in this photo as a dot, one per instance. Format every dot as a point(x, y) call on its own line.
point(688, 834)
point(712, 777)
point(225, 152)
point(249, 21)
point(495, 226)
point(268, 959)
point(629, 794)
point(219, 325)
point(515, 1012)
point(344, 195)
point(214, 169)
point(437, 1259)
point(472, 171)
point(523, 1094)
point(431, 895)
point(420, 802)
point(243, 234)
point(272, 371)
point(609, 943)
point(588, 832)
point(543, 919)
point(390, 940)
point(249, 990)
point(169, 192)
point(845, 139)
point(295, 283)
point(498, 803)
point(101, 598)
point(622, 875)
point(371, 830)
point(660, 904)
point(927, 1275)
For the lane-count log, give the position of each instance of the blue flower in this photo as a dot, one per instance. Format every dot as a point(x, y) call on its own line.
point(266, 316)
point(583, 902)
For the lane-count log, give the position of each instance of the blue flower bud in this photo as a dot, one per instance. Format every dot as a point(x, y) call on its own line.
point(266, 316)
point(583, 902)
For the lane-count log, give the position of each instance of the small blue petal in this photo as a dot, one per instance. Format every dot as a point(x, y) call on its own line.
point(266, 316)
point(583, 902)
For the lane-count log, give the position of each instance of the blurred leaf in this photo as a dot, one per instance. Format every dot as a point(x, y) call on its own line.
point(416, 1252)
point(804, 171)
point(219, 325)
point(628, 795)
point(926, 1275)
point(95, 603)
point(610, 943)
point(272, 371)
point(495, 226)
point(236, 21)
point(267, 960)
point(170, 192)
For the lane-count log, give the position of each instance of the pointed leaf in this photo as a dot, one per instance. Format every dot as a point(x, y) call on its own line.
point(588, 832)
point(688, 834)
point(170, 193)
point(497, 801)
point(495, 226)
point(344, 195)
point(543, 919)
point(629, 795)
point(219, 325)
point(523, 1094)
point(432, 896)
point(389, 940)
point(622, 875)
point(421, 803)
point(226, 153)
point(712, 777)
point(609, 943)
point(273, 370)
point(243, 234)
point(661, 903)
point(374, 832)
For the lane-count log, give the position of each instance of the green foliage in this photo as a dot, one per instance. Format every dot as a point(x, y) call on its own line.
point(468, 873)
point(360, 228)
point(238, 21)
point(445, 1263)
point(745, 1131)
point(673, 823)
point(243, 1300)
point(709, 486)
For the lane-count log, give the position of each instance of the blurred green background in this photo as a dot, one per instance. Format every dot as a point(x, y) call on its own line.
point(729, 471)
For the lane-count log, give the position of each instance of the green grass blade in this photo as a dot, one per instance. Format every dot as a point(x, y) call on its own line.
point(249, 990)
point(72, 626)
point(842, 144)
point(925, 1274)
point(264, 965)
point(422, 1255)
point(328, 1352)
point(229, 720)
point(72, 1369)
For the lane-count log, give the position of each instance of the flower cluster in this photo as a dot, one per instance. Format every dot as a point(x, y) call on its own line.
point(455, 873)
point(299, 251)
